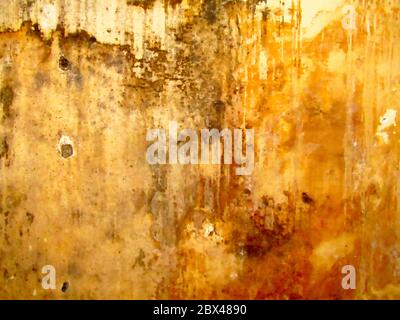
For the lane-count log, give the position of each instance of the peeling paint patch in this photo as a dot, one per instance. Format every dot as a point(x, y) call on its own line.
point(328, 252)
point(386, 121)
point(48, 19)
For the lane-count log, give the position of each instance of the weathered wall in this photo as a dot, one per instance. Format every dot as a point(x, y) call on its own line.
point(322, 101)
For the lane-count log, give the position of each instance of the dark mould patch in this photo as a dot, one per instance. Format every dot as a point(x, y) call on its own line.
point(247, 191)
point(219, 106)
point(76, 39)
point(77, 215)
point(6, 99)
point(28, 4)
point(30, 217)
point(73, 269)
point(139, 199)
point(160, 179)
point(3, 148)
point(266, 14)
point(64, 64)
point(139, 259)
point(75, 77)
point(142, 3)
point(210, 11)
point(65, 286)
point(12, 200)
point(40, 80)
point(67, 150)
point(259, 241)
point(306, 198)
point(173, 3)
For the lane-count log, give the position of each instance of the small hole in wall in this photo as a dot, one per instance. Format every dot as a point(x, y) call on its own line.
point(67, 150)
point(64, 64)
point(65, 147)
point(65, 286)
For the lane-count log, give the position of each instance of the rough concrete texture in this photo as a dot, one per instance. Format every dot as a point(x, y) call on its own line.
point(82, 81)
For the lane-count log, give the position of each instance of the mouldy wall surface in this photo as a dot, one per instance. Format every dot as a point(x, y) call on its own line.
point(82, 81)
